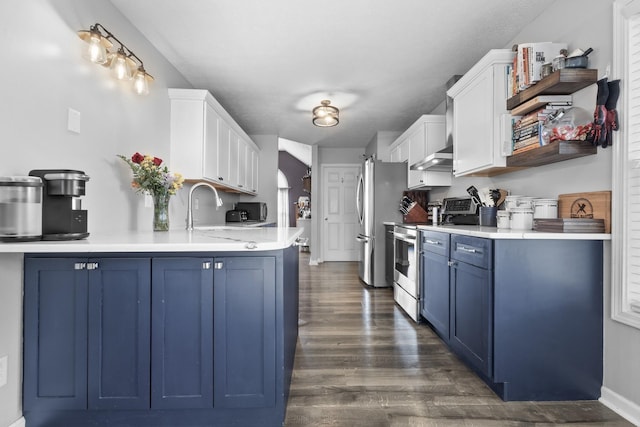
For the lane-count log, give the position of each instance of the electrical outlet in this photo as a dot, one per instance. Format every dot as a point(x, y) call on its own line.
point(4, 370)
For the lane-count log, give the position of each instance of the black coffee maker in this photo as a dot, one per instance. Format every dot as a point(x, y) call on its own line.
point(62, 215)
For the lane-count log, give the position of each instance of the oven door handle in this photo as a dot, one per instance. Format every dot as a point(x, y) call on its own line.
point(404, 237)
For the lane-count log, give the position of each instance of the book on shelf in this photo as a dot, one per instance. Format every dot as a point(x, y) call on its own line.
point(532, 140)
point(526, 148)
point(530, 59)
point(541, 101)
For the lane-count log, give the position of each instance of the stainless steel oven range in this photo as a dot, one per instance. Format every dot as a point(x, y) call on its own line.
point(406, 287)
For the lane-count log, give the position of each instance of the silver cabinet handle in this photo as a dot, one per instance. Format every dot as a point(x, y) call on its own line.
point(206, 265)
point(433, 242)
point(468, 250)
point(92, 266)
point(218, 265)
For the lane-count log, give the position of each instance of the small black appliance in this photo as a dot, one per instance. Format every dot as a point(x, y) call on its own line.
point(62, 215)
point(256, 211)
point(460, 211)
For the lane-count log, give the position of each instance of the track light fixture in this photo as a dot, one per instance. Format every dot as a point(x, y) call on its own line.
point(124, 64)
point(326, 115)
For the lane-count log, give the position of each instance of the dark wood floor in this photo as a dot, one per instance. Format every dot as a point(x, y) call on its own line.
point(361, 362)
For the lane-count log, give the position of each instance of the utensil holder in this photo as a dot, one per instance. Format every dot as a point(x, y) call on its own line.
point(488, 216)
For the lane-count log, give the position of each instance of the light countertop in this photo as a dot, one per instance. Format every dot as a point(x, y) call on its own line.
point(499, 233)
point(206, 239)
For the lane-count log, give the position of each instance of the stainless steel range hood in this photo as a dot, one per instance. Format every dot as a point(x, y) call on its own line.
point(441, 161)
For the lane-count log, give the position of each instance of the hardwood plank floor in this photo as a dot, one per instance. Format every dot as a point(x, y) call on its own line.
point(360, 361)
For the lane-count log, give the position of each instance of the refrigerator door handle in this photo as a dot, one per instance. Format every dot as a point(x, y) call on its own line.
point(361, 238)
point(358, 194)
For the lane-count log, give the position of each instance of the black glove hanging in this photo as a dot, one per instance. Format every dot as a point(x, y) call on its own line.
point(598, 135)
point(611, 122)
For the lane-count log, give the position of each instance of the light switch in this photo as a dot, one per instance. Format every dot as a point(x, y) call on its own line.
point(4, 370)
point(73, 121)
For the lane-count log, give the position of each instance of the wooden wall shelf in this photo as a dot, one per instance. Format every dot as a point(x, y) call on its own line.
point(555, 152)
point(561, 82)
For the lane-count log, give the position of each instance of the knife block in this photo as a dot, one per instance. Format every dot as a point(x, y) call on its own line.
point(417, 215)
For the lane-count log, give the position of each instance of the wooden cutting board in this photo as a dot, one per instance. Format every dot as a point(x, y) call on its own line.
point(594, 204)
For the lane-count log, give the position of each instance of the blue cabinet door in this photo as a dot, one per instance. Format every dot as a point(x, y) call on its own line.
point(434, 303)
point(55, 334)
point(182, 337)
point(244, 332)
point(119, 331)
point(471, 334)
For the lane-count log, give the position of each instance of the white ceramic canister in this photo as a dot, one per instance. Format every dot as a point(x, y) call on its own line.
point(511, 202)
point(521, 218)
point(526, 202)
point(503, 219)
point(545, 208)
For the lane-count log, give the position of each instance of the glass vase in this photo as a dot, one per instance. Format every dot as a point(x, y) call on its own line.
point(161, 212)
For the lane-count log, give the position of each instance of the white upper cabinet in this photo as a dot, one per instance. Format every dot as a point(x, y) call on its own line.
point(480, 118)
point(426, 136)
point(206, 143)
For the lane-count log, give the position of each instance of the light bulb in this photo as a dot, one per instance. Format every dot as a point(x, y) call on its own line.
point(96, 52)
point(140, 85)
point(120, 66)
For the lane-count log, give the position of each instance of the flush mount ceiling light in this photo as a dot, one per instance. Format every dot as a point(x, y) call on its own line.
point(326, 115)
point(122, 61)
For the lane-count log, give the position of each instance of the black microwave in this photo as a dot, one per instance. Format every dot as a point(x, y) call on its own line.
point(256, 211)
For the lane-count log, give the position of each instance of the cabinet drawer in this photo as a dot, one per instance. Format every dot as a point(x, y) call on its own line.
point(435, 241)
point(472, 250)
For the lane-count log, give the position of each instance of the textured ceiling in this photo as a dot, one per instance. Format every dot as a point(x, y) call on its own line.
point(383, 63)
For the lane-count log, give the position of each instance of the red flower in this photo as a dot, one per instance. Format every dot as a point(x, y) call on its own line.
point(157, 161)
point(137, 158)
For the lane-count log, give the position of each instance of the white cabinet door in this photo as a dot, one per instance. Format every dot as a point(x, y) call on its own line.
point(417, 144)
point(242, 163)
point(224, 135)
point(252, 172)
point(210, 153)
point(473, 125)
point(394, 155)
point(234, 157)
point(479, 102)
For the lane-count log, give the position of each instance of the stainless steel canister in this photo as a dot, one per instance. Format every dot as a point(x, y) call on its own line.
point(20, 208)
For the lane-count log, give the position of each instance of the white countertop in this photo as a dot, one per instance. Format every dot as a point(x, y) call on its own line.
point(206, 239)
point(499, 233)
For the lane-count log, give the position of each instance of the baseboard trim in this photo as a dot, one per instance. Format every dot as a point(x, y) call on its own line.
point(620, 405)
point(19, 423)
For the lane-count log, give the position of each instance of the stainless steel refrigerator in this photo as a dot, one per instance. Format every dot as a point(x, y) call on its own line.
point(378, 196)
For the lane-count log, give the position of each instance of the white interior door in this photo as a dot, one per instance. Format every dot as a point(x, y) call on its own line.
point(340, 222)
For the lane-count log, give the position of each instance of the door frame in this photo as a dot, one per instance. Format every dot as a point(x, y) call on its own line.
point(323, 227)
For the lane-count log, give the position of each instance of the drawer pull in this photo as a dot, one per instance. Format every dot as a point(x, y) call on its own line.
point(468, 250)
point(433, 242)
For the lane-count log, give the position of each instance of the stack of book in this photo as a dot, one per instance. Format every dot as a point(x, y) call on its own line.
point(569, 225)
point(526, 69)
point(529, 117)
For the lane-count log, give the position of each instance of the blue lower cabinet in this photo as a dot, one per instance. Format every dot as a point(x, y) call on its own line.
point(182, 336)
point(244, 298)
point(434, 303)
point(174, 340)
point(119, 329)
point(55, 334)
point(471, 315)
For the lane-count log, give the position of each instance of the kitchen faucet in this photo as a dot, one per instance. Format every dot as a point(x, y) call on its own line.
point(190, 202)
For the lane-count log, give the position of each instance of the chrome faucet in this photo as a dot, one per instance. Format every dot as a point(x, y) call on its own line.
point(190, 202)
